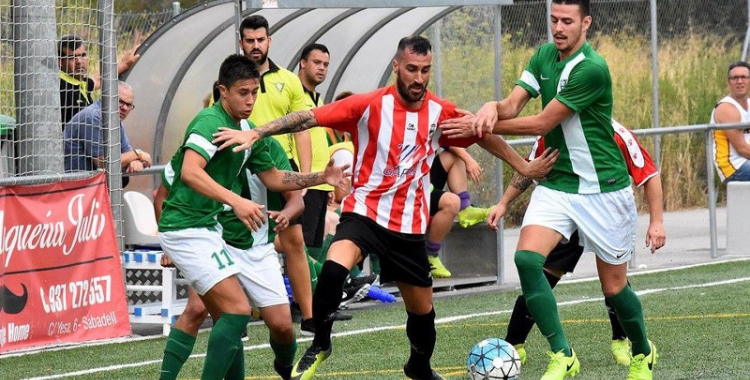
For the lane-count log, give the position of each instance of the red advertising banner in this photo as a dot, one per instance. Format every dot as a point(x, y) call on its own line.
point(60, 273)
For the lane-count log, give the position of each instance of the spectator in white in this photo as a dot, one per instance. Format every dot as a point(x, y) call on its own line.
point(82, 139)
point(731, 147)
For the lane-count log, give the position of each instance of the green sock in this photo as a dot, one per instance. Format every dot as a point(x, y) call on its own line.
point(375, 262)
point(355, 272)
point(284, 352)
point(222, 345)
point(629, 311)
point(236, 371)
point(313, 273)
point(540, 300)
point(176, 351)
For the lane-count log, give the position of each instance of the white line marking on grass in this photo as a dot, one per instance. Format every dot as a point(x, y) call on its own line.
point(397, 327)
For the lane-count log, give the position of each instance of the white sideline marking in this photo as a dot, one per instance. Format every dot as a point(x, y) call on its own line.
point(383, 328)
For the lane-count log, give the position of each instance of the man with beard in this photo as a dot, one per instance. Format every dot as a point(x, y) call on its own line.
point(281, 92)
point(588, 189)
point(396, 135)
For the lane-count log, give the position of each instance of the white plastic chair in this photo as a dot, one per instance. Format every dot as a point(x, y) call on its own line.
point(140, 220)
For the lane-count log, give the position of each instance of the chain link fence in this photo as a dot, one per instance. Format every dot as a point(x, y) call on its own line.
point(696, 42)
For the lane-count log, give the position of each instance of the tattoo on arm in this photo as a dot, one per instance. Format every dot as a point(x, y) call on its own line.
point(294, 122)
point(302, 180)
point(520, 182)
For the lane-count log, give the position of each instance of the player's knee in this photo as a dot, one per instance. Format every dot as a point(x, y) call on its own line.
point(450, 203)
point(526, 260)
point(281, 331)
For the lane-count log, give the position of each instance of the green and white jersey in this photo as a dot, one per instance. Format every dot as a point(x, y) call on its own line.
point(234, 231)
point(186, 208)
point(590, 161)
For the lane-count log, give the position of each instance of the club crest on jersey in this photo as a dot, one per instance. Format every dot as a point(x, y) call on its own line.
point(279, 86)
point(433, 127)
point(563, 82)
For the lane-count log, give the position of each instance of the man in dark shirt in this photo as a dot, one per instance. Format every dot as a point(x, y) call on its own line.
point(76, 86)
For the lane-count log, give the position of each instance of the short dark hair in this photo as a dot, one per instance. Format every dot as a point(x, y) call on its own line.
point(254, 22)
point(584, 4)
point(68, 42)
point(417, 44)
point(309, 48)
point(738, 64)
point(343, 95)
point(235, 68)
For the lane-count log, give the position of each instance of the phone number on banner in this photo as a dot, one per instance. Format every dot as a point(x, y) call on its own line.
point(76, 294)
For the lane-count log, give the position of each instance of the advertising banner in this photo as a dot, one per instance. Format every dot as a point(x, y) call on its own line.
point(60, 274)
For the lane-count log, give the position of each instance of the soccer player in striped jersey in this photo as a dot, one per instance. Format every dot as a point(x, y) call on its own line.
point(395, 135)
point(588, 188)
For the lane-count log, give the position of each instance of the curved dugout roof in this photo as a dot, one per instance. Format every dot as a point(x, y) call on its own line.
point(180, 61)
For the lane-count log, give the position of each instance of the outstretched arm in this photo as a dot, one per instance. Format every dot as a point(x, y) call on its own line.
point(656, 237)
point(294, 122)
point(282, 180)
point(536, 169)
point(518, 184)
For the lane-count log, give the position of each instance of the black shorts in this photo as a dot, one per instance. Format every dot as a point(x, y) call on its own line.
point(435, 196)
point(565, 257)
point(403, 257)
point(314, 217)
point(438, 175)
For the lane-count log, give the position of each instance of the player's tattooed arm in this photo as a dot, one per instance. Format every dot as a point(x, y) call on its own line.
point(294, 122)
point(520, 182)
point(302, 180)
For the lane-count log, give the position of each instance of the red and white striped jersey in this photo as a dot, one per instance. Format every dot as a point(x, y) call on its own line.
point(640, 165)
point(394, 148)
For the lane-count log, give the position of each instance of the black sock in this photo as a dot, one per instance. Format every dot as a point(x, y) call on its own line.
point(521, 322)
point(420, 329)
point(326, 300)
point(617, 332)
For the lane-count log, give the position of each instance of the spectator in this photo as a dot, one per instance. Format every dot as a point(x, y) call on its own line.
point(82, 139)
point(76, 86)
point(731, 149)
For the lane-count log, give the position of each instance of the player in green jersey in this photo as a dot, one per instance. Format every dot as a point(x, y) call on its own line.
point(588, 187)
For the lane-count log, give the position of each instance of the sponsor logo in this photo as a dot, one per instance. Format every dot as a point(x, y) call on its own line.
point(411, 127)
point(14, 333)
point(542, 77)
point(11, 303)
point(279, 86)
point(408, 162)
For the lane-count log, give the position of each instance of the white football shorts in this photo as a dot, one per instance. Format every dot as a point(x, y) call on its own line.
point(260, 275)
point(201, 255)
point(606, 222)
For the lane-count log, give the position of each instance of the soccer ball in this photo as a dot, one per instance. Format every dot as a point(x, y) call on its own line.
point(493, 359)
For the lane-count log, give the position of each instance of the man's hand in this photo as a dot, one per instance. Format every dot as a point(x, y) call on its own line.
point(249, 213)
point(656, 237)
point(166, 262)
point(228, 137)
point(496, 214)
point(134, 166)
point(460, 127)
point(336, 175)
point(473, 170)
point(145, 159)
point(538, 168)
point(486, 118)
point(281, 219)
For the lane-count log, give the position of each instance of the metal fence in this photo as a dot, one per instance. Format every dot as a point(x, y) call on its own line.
point(668, 60)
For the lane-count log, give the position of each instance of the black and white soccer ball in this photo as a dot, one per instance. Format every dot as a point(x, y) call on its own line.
point(493, 359)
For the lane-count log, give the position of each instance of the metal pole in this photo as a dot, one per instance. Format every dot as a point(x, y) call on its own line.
point(176, 9)
point(747, 34)
point(437, 56)
point(35, 76)
point(549, 20)
point(711, 193)
point(110, 115)
point(237, 20)
point(655, 84)
point(498, 47)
